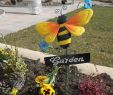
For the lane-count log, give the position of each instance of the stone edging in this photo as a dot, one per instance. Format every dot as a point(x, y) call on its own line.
point(28, 53)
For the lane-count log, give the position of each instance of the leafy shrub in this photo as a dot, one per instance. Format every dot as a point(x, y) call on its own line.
point(13, 70)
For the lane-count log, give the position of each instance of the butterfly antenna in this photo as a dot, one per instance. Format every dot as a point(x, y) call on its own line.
point(64, 7)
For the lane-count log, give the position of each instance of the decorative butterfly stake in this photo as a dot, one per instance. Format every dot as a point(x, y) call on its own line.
point(63, 29)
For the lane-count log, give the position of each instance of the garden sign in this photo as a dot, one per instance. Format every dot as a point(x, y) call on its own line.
point(67, 59)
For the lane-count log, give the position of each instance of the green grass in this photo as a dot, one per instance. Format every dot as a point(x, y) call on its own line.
point(98, 38)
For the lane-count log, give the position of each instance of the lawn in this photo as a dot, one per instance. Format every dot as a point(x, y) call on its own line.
point(98, 38)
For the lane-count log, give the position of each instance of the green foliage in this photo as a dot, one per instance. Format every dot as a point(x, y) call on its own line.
point(5, 54)
point(21, 67)
point(12, 62)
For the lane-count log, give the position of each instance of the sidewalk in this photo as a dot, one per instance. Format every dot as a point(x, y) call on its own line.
point(14, 22)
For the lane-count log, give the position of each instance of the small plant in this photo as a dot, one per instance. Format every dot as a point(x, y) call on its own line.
point(46, 83)
point(89, 85)
point(12, 62)
point(14, 69)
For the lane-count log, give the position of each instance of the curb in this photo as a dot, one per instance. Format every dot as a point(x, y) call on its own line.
point(86, 68)
point(89, 69)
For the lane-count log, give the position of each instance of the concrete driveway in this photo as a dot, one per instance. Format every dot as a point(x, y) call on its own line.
point(13, 22)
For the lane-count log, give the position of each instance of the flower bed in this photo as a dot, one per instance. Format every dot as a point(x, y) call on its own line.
point(79, 84)
point(24, 79)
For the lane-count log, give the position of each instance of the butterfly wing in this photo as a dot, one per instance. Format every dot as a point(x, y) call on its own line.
point(75, 30)
point(48, 29)
point(81, 18)
point(40, 27)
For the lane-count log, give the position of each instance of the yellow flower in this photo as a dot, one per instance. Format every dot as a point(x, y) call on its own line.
point(46, 89)
point(41, 79)
point(1, 50)
point(6, 51)
point(14, 91)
